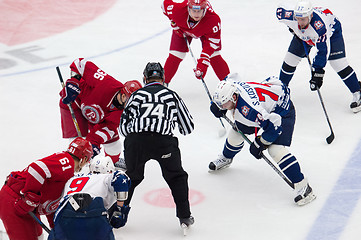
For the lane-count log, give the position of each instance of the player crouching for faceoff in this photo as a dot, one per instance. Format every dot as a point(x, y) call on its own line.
point(38, 189)
point(260, 106)
point(98, 101)
point(92, 203)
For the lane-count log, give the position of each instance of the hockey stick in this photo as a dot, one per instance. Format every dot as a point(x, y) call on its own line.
point(76, 125)
point(262, 155)
point(330, 138)
point(40, 222)
point(223, 131)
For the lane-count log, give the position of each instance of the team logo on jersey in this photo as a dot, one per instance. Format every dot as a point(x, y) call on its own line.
point(49, 206)
point(92, 113)
point(288, 14)
point(245, 110)
point(318, 25)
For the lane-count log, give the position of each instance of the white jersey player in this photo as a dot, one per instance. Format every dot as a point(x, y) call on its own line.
point(100, 193)
point(317, 27)
point(262, 106)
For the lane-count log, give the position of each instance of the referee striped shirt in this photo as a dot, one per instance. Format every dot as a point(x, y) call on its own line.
point(155, 108)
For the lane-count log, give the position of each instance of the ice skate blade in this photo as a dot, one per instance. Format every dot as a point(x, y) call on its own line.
point(307, 199)
point(356, 109)
point(216, 170)
point(185, 229)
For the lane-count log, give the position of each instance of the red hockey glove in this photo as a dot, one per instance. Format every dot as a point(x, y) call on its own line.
point(71, 91)
point(176, 29)
point(27, 203)
point(202, 66)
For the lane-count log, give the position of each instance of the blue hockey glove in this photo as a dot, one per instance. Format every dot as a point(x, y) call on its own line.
point(317, 78)
point(96, 150)
point(120, 216)
point(257, 147)
point(217, 112)
point(120, 182)
point(72, 90)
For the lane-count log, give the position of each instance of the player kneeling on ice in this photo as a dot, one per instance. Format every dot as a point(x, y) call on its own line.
point(93, 204)
point(260, 106)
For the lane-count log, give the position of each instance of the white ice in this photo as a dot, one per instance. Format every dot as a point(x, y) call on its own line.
point(246, 201)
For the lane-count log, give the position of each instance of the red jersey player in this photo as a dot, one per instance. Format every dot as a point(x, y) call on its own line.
point(194, 19)
point(38, 189)
point(98, 100)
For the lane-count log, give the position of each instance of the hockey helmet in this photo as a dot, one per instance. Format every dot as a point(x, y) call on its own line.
point(101, 164)
point(303, 8)
point(131, 86)
point(197, 4)
point(224, 92)
point(153, 70)
point(80, 148)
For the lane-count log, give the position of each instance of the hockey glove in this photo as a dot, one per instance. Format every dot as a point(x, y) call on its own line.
point(72, 90)
point(96, 150)
point(202, 66)
point(121, 185)
point(176, 29)
point(217, 112)
point(120, 216)
point(257, 147)
point(317, 78)
point(27, 203)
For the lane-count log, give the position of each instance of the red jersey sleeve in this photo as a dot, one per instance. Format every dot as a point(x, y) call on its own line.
point(57, 167)
point(211, 39)
point(105, 130)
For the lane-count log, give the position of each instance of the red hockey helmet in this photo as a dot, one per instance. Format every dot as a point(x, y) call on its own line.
point(80, 148)
point(197, 4)
point(130, 87)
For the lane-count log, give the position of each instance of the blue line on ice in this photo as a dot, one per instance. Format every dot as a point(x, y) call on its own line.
point(335, 214)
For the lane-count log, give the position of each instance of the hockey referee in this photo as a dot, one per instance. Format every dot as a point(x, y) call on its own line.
point(147, 124)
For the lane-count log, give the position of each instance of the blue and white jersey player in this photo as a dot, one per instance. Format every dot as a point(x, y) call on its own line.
point(317, 27)
point(263, 109)
point(93, 203)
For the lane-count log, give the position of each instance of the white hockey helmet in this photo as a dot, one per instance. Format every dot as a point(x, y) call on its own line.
point(101, 164)
point(303, 8)
point(224, 92)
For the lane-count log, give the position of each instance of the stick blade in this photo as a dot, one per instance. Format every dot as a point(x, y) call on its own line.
point(330, 138)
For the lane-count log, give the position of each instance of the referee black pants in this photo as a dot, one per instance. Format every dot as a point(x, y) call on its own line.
point(140, 148)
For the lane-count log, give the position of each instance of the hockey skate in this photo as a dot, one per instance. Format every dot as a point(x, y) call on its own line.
point(356, 102)
point(120, 165)
point(220, 163)
point(304, 193)
point(185, 223)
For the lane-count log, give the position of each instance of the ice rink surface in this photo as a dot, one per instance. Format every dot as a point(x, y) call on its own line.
point(246, 201)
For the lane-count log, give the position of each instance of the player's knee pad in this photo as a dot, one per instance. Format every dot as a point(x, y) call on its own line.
point(235, 138)
point(180, 55)
point(277, 152)
point(233, 145)
point(292, 60)
point(339, 64)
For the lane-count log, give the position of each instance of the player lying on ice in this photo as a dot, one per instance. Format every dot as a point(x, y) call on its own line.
point(262, 106)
